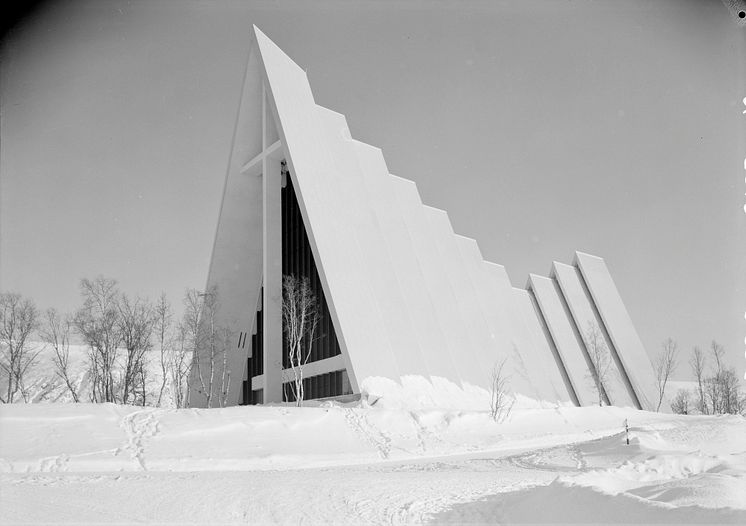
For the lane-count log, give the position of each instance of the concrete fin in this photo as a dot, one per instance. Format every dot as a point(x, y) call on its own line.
point(584, 314)
point(537, 354)
point(565, 336)
point(634, 360)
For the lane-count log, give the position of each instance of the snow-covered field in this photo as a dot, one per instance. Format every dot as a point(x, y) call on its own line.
point(84, 463)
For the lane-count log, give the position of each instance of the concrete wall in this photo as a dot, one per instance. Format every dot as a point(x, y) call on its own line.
point(478, 356)
point(507, 319)
point(356, 205)
point(459, 342)
point(380, 189)
point(236, 264)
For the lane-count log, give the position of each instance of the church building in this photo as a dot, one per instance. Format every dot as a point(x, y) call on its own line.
point(406, 304)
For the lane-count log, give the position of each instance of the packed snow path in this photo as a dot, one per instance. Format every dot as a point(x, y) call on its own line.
point(103, 463)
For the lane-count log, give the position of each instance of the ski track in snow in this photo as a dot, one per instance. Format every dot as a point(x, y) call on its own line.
point(674, 460)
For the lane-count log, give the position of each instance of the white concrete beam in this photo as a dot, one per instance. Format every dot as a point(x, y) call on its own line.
point(272, 271)
point(255, 164)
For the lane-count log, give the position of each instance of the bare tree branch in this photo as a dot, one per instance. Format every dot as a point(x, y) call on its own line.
point(56, 332)
point(300, 318)
point(162, 326)
point(680, 403)
point(664, 365)
point(18, 319)
point(208, 342)
point(136, 322)
point(697, 364)
point(501, 403)
point(97, 321)
point(600, 358)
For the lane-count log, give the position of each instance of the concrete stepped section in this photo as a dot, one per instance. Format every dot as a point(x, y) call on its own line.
point(507, 329)
point(466, 296)
point(462, 344)
point(381, 191)
point(632, 355)
point(487, 301)
point(526, 377)
point(503, 316)
point(585, 316)
point(566, 337)
point(338, 246)
point(377, 257)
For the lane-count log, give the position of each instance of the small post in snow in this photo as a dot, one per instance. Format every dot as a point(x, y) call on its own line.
point(626, 430)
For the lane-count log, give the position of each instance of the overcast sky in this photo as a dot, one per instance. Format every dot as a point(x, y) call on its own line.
point(610, 127)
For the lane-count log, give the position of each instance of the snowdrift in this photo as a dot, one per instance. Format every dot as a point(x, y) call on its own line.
point(105, 437)
point(107, 463)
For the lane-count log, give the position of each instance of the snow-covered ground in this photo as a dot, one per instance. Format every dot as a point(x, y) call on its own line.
point(85, 463)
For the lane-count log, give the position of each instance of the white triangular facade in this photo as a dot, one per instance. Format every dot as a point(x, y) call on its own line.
point(415, 308)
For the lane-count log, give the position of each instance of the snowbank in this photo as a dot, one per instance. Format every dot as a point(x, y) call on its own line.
point(105, 437)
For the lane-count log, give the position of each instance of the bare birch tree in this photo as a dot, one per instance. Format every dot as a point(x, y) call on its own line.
point(697, 364)
point(162, 328)
point(680, 403)
point(501, 403)
point(718, 352)
point(731, 400)
point(97, 322)
point(664, 365)
point(193, 336)
point(180, 367)
point(18, 319)
point(600, 358)
point(713, 384)
point(136, 323)
point(722, 389)
point(300, 317)
point(56, 332)
point(209, 344)
point(225, 373)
